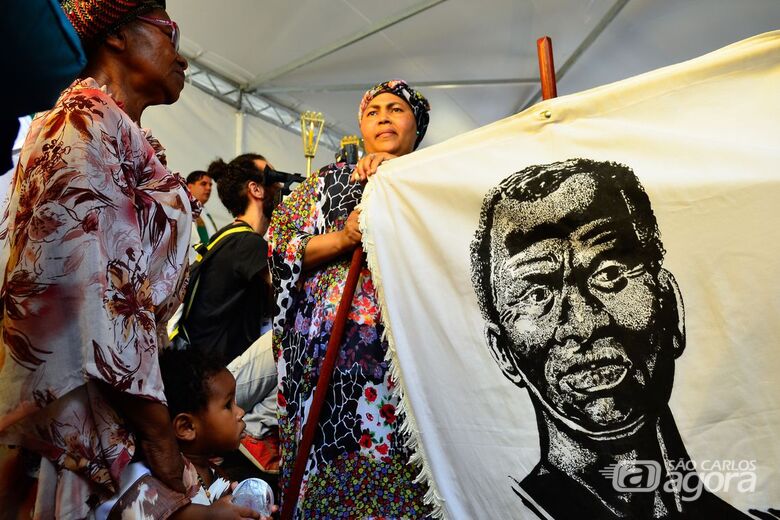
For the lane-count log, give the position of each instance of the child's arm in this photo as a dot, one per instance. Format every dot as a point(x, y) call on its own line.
point(145, 494)
point(222, 509)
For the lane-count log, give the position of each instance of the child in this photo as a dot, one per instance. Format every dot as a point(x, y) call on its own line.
point(207, 422)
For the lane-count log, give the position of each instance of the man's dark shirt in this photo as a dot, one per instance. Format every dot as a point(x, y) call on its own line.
point(228, 308)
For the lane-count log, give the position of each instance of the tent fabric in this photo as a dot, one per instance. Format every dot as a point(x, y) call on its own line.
point(260, 43)
point(701, 137)
point(199, 128)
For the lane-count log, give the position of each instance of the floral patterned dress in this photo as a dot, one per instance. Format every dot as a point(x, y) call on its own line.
point(95, 240)
point(358, 466)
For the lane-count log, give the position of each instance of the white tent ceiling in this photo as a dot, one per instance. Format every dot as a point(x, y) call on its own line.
point(477, 58)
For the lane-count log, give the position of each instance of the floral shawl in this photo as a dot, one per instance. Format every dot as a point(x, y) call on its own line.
point(93, 261)
point(358, 466)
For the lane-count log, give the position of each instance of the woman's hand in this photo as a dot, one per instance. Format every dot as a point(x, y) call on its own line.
point(164, 459)
point(366, 167)
point(151, 423)
point(324, 248)
point(351, 234)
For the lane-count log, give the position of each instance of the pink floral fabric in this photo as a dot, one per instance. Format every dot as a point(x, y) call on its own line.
point(95, 239)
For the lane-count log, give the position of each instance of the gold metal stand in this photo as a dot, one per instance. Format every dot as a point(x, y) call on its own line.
point(311, 131)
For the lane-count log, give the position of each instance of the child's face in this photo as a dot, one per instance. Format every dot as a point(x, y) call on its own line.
point(222, 425)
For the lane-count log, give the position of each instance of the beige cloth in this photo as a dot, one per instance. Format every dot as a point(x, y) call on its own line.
point(702, 137)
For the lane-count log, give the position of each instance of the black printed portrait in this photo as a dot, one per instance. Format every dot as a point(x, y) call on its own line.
point(567, 265)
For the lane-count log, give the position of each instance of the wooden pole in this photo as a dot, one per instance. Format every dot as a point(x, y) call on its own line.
point(544, 53)
point(323, 383)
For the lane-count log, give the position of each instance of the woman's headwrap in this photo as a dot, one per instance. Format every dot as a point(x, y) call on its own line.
point(400, 88)
point(94, 19)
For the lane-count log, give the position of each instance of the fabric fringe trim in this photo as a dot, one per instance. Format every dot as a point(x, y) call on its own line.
point(408, 426)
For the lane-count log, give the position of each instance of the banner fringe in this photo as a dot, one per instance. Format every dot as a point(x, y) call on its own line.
point(408, 425)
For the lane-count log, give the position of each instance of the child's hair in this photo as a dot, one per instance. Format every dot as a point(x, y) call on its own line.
point(186, 374)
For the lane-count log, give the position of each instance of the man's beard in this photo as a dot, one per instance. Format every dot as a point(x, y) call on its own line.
point(270, 203)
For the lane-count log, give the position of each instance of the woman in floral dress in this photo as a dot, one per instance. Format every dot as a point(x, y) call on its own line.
point(358, 466)
point(95, 239)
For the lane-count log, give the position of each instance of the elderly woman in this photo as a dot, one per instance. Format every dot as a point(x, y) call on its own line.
point(358, 466)
point(94, 263)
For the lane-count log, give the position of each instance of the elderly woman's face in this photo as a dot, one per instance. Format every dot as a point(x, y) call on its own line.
point(152, 56)
point(388, 125)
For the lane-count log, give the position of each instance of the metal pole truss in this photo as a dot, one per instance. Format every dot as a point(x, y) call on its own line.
point(258, 105)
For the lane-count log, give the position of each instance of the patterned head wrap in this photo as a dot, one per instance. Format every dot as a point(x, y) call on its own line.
point(94, 19)
point(400, 88)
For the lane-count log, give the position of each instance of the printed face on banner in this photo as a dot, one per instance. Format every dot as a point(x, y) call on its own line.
point(580, 306)
point(567, 267)
point(582, 311)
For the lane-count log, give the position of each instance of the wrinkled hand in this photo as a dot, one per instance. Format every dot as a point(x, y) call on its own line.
point(151, 423)
point(366, 166)
point(351, 235)
point(165, 461)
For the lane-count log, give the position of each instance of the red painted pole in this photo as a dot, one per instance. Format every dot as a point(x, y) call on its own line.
point(323, 383)
point(544, 52)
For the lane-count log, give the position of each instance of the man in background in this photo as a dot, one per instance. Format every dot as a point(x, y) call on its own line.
point(199, 183)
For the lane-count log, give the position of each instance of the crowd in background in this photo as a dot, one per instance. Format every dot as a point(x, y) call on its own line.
point(150, 359)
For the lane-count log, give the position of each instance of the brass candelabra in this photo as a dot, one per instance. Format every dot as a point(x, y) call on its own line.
point(312, 124)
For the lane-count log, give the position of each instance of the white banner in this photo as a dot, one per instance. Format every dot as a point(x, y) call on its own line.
point(583, 301)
